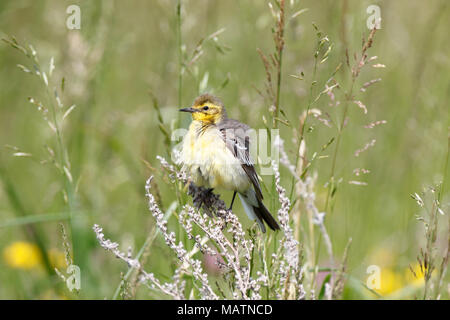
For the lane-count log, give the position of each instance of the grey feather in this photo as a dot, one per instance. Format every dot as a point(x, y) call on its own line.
point(237, 140)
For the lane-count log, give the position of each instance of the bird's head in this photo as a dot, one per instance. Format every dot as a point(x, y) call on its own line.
point(207, 109)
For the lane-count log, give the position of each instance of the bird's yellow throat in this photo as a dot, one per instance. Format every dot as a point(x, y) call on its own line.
point(209, 118)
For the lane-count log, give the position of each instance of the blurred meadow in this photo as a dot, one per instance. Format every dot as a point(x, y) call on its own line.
point(122, 71)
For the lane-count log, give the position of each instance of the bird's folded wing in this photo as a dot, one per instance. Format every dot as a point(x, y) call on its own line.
point(237, 140)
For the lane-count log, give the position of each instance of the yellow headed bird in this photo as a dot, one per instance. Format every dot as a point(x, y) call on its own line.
point(215, 154)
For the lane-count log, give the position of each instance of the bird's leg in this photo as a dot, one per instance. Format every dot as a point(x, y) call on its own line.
point(232, 201)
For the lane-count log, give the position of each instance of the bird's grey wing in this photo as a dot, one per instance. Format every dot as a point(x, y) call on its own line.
point(237, 140)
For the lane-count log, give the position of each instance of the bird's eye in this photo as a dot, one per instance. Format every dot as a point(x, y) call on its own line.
point(205, 108)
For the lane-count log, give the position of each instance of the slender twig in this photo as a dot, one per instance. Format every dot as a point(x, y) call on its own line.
point(180, 58)
point(279, 43)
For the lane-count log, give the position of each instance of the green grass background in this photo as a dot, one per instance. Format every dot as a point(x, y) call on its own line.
point(114, 126)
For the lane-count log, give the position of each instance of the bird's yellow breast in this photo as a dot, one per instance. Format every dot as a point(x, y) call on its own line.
point(209, 162)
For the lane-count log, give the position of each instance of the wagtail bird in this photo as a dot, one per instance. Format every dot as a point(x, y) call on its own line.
point(215, 154)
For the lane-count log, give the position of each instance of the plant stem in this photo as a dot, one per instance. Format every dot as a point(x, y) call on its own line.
point(302, 128)
point(180, 60)
point(146, 244)
point(279, 44)
point(444, 179)
point(333, 163)
point(338, 142)
point(64, 164)
point(277, 104)
point(34, 218)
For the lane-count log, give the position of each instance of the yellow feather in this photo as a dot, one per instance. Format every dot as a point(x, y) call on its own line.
point(209, 162)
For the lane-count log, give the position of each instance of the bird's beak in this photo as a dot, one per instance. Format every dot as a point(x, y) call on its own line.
point(190, 109)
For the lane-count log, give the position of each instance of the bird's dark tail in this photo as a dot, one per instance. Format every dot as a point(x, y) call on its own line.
point(256, 210)
point(263, 213)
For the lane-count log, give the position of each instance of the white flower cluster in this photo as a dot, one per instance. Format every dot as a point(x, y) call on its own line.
point(175, 289)
point(289, 268)
point(170, 239)
point(221, 237)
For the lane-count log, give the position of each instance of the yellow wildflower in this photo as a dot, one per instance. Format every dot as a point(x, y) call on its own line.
point(416, 278)
point(22, 255)
point(390, 282)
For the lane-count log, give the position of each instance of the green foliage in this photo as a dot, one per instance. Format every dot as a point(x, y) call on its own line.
point(89, 164)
